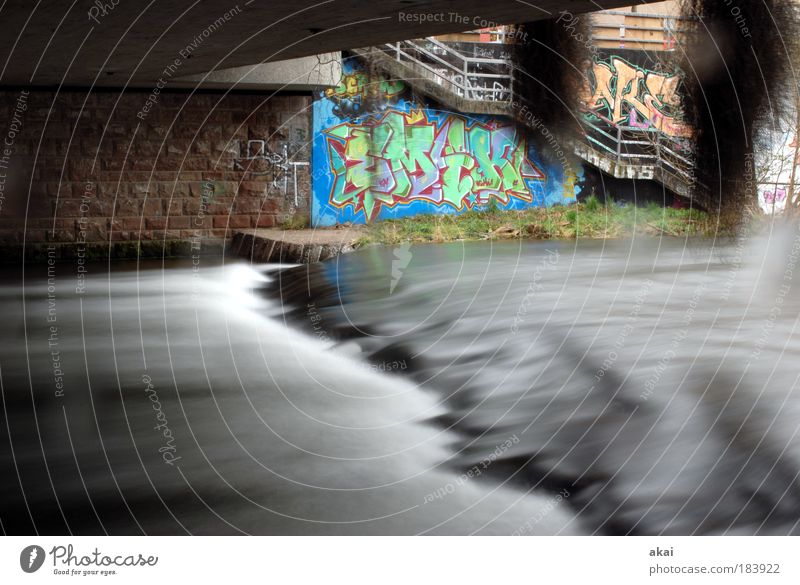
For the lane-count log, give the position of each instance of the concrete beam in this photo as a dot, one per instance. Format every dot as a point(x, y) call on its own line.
point(128, 43)
point(301, 74)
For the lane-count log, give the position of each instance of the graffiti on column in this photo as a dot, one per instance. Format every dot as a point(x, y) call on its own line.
point(356, 94)
point(379, 153)
point(621, 93)
point(405, 156)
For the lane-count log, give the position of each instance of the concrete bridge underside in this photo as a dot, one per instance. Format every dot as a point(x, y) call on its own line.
point(121, 43)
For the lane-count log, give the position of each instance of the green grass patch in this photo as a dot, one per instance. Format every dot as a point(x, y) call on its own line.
point(590, 219)
point(297, 221)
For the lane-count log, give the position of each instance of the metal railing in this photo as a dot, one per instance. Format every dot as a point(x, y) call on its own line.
point(473, 78)
point(652, 153)
point(487, 79)
point(640, 146)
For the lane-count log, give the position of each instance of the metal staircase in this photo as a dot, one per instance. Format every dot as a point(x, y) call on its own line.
point(633, 152)
point(475, 85)
point(481, 85)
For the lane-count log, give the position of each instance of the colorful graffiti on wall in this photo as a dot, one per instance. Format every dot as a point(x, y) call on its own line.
point(774, 195)
point(620, 93)
point(405, 156)
point(401, 157)
point(356, 93)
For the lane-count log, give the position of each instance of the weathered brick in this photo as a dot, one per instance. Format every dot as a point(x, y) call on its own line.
point(191, 234)
point(247, 205)
point(141, 189)
point(132, 223)
point(265, 221)
point(218, 209)
point(153, 234)
point(152, 223)
point(95, 231)
point(159, 173)
point(201, 147)
point(153, 208)
point(78, 169)
point(173, 189)
point(179, 222)
point(240, 221)
point(252, 188)
point(173, 207)
point(126, 207)
point(191, 206)
point(196, 163)
point(69, 208)
point(137, 164)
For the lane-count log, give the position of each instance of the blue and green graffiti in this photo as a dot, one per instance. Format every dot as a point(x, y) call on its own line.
point(404, 156)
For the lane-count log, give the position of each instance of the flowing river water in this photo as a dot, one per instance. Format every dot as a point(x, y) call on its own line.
point(642, 386)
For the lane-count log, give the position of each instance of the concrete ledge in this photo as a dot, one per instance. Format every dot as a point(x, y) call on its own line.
point(294, 246)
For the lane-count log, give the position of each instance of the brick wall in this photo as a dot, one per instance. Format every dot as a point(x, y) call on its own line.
point(120, 168)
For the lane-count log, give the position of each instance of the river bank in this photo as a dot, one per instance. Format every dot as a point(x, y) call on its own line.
point(591, 219)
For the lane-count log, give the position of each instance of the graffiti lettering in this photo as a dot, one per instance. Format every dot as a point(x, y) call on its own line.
point(405, 156)
point(358, 85)
point(621, 92)
point(356, 92)
point(775, 196)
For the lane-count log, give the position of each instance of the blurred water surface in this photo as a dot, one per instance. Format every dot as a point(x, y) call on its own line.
point(643, 386)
